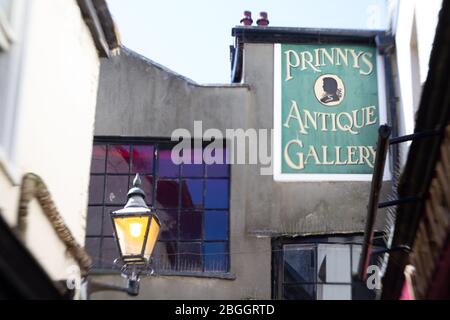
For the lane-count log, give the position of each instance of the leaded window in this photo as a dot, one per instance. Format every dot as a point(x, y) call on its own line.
point(192, 202)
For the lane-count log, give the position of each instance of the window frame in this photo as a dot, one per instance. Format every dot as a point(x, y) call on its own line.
point(149, 141)
point(278, 243)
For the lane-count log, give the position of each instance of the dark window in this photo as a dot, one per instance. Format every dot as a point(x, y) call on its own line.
point(318, 268)
point(191, 199)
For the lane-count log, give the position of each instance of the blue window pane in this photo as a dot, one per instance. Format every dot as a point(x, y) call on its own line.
point(98, 158)
point(167, 194)
point(220, 168)
point(192, 194)
point(190, 256)
point(215, 256)
point(299, 264)
point(116, 190)
point(96, 188)
point(166, 167)
point(147, 187)
point(216, 225)
point(216, 194)
point(299, 292)
point(195, 166)
point(169, 224)
point(142, 159)
point(94, 221)
point(190, 225)
point(118, 159)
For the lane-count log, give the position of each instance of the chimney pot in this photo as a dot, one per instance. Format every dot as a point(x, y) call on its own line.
point(262, 21)
point(247, 18)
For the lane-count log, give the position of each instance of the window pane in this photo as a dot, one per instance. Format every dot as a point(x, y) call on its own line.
point(216, 194)
point(190, 225)
point(169, 224)
point(334, 292)
point(333, 263)
point(107, 223)
point(164, 256)
point(196, 167)
point(98, 159)
point(356, 255)
point(116, 190)
point(299, 292)
point(147, 187)
point(216, 225)
point(142, 159)
point(110, 252)
point(190, 256)
point(166, 168)
point(118, 159)
point(192, 194)
point(299, 263)
point(96, 190)
point(92, 246)
point(167, 194)
point(221, 169)
point(94, 221)
point(215, 256)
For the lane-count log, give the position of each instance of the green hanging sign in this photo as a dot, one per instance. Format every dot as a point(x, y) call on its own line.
point(326, 111)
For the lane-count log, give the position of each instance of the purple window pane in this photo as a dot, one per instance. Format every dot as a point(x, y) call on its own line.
point(169, 224)
point(195, 166)
point(96, 190)
point(110, 252)
point(220, 168)
point(190, 225)
point(164, 257)
point(192, 194)
point(142, 159)
point(98, 158)
point(94, 221)
point(215, 256)
point(216, 194)
point(167, 193)
point(116, 190)
point(107, 223)
point(92, 246)
point(147, 187)
point(118, 159)
point(216, 225)
point(166, 168)
point(190, 256)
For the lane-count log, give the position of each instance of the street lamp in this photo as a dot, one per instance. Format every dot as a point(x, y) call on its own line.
point(136, 227)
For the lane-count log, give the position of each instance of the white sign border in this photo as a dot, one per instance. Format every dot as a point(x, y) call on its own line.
point(295, 177)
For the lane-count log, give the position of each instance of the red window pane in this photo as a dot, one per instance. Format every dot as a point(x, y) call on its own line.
point(190, 225)
point(98, 158)
point(142, 159)
point(118, 159)
point(167, 194)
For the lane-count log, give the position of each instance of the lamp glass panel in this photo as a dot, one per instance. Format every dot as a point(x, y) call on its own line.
point(131, 234)
point(152, 237)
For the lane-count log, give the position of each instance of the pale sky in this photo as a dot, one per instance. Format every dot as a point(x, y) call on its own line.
point(193, 37)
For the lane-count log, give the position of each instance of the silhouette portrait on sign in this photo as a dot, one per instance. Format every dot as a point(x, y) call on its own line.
point(331, 91)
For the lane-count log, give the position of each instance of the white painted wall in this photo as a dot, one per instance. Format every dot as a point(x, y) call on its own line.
point(55, 124)
point(413, 23)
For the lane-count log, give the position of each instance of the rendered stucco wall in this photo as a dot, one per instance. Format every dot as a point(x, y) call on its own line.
point(56, 109)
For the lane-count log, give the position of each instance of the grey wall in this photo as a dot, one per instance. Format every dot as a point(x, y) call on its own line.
point(140, 98)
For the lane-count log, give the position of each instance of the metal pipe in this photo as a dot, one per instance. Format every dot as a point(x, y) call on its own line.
point(384, 131)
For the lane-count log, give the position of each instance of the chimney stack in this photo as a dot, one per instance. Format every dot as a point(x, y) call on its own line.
point(247, 18)
point(262, 21)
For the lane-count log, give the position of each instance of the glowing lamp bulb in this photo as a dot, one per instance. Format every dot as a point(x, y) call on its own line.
point(135, 229)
